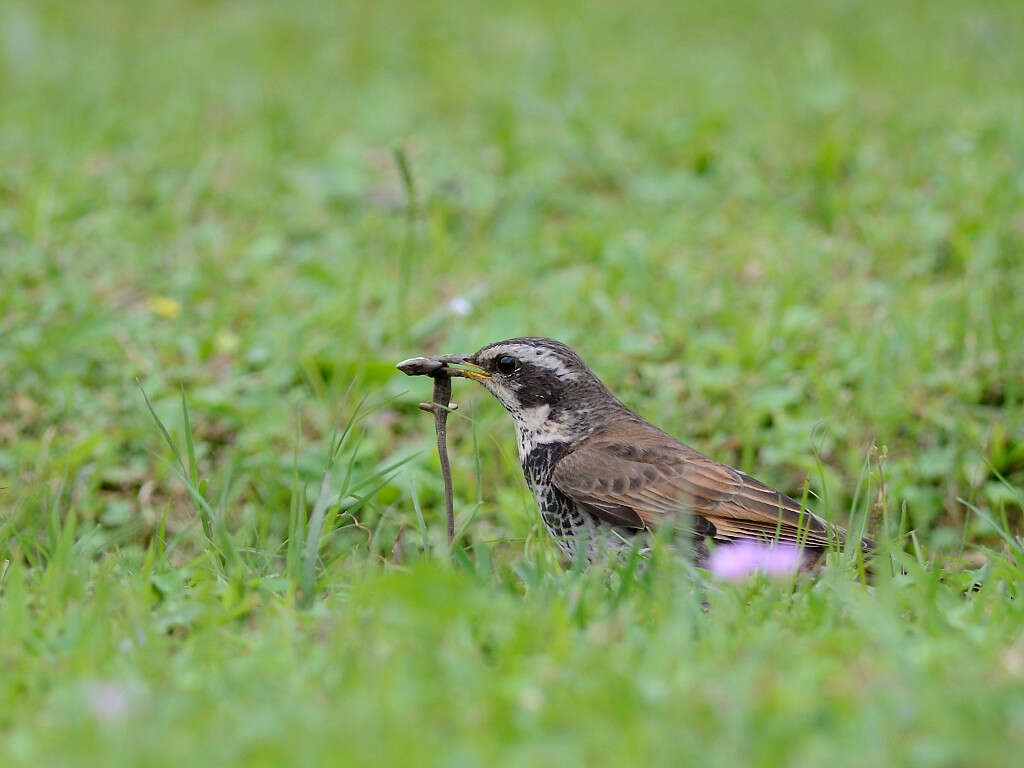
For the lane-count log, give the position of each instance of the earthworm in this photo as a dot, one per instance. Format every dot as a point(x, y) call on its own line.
point(440, 406)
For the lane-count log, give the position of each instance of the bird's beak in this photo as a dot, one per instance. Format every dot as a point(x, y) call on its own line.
point(463, 365)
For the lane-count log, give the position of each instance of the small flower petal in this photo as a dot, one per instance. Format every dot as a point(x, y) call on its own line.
point(460, 306)
point(735, 562)
point(110, 702)
point(164, 306)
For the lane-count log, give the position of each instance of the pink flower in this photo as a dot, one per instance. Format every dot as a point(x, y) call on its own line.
point(738, 561)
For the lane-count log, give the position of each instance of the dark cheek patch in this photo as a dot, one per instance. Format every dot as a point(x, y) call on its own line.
point(537, 387)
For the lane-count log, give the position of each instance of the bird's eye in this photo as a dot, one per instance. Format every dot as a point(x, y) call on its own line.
point(507, 365)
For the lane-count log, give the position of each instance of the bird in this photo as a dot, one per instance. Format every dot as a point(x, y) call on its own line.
point(602, 475)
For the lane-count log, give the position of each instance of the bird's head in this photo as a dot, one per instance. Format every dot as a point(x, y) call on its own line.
point(548, 390)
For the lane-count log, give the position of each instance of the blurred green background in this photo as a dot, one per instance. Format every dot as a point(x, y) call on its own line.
point(789, 233)
point(775, 229)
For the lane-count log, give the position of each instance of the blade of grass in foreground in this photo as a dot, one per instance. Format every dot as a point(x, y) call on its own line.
point(190, 451)
point(360, 489)
point(189, 475)
point(1014, 543)
point(316, 521)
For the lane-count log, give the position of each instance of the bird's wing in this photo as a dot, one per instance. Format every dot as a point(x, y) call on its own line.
point(648, 477)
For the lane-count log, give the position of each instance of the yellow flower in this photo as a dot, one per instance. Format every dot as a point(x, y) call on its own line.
point(225, 342)
point(164, 306)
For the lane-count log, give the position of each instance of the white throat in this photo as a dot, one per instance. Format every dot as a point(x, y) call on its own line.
point(533, 427)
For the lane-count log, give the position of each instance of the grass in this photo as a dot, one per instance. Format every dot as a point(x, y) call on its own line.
point(789, 234)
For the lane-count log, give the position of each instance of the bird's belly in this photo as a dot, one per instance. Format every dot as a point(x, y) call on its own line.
point(568, 523)
point(570, 526)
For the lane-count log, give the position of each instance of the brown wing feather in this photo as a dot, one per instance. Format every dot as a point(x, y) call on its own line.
point(643, 471)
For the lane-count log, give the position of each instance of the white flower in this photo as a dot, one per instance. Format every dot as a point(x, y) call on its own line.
point(110, 702)
point(460, 306)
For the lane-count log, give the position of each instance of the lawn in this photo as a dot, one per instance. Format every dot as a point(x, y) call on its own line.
point(790, 233)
